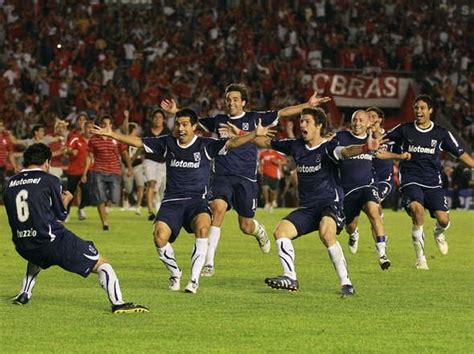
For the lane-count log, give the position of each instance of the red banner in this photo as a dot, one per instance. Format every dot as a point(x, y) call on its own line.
point(356, 90)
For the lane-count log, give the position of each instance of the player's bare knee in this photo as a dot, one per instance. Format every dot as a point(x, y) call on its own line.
point(443, 219)
point(247, 226)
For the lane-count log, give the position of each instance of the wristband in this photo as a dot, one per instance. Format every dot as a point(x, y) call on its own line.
point(242, 132)
point(365, 149)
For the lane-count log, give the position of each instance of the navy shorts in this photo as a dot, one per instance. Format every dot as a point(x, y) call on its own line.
point(67, 251)
point(384, 188)
point(104, 187)
point(180, 213)
point(240, 194)
point(433, 199)
point(307, 219)
point(354, 202)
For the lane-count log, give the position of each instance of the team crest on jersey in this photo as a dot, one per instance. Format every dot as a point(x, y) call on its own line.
point(197, 156)
point(245, 126)
point(92, 249)
point(318, 158)
point(434, 142)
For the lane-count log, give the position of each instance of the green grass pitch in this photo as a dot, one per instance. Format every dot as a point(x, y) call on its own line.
point(399, 310)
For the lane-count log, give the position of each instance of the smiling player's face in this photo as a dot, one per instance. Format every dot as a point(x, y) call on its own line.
point(234, 103)
point(360, 123)
point(185, 130)
point(422, 113)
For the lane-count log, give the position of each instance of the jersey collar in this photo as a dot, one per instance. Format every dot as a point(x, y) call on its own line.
point(358, 137)
point(190, 143)
point(237, 117)
point(424, 130)
point(315, 147)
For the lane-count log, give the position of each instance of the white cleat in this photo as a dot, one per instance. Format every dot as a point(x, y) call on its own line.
point(421, 264)
point(175, 283)
point(442, 244)
point(353, 245)
point(262, 239)
point(192, 287)
point(81, 214)
point(207, 271)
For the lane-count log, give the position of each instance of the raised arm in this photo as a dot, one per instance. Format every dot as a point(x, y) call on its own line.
point(292, 111)
point(169, 105)
point(126, 139)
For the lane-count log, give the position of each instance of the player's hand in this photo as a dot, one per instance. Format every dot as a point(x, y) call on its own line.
point(169, 105)
point(95, 129)
point(405, 156)
point(315, 101)
point(228, 130)
point(264, 131)
point(373, 143)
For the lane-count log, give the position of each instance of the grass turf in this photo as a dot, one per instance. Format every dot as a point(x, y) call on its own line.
point(399, 310)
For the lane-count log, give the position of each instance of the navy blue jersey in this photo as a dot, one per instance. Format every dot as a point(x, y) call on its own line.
point(188, 168)
point(243, 160)
point(356, 171)
point(425, 146)
point(383, 168)
point(34, 207)
point(316, 169)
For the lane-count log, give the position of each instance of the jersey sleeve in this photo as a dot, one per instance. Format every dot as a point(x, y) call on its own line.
point(284, 146)
point(330, 150)
point(213, 147)
point(395, 134)
point(208, 124)
point(57, 205)
point(450, 144)
point(155, 145)
point(268, 118)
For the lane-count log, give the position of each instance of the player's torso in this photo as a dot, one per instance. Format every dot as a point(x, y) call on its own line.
point(356, 171)
point(28, 205)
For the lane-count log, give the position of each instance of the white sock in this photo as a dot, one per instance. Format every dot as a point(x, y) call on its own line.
point(29, 280)
point(438, 230)
point(166, 255)
point(337, 258)
point(109, 282)
point(355, 234)
point(381, 245)
point(418, 241)
point(286, 252)
point(258, 228)
point(213, 239)
point(197, 258)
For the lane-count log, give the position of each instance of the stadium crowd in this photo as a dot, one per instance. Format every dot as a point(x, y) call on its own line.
point(62, 58)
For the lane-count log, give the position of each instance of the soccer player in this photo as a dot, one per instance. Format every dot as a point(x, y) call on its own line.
point(319, 195)
point(360, 190)
point(105, 173)
point(270, 165)
point(234, 183)
point(35, 207)
point(185, 203)
point(420, 177)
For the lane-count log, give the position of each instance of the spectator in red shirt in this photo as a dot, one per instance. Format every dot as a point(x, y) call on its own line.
point(270, 164)
point(77, 149)
point(105, 176)
point(6, 154)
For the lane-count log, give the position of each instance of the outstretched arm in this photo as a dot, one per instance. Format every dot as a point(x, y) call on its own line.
point(259, 132)
point(127, 139)
point(467, 159)
point(292, 111)
point(372, 144)
point(387, 155)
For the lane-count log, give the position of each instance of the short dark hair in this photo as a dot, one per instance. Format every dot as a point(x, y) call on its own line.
point(106, 116)
point(36, 128)
point(377, 110)
point(238, 87)
point(36, 154)
point(424, 98)
point(319, 117)
point(157, 110)
point(188, 112)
